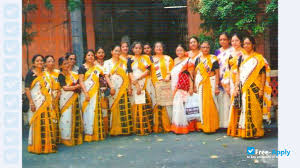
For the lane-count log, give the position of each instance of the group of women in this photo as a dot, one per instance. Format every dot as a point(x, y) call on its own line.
point(232, 90)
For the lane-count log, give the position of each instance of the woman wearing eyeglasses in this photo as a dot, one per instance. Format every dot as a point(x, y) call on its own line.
point(206, 85)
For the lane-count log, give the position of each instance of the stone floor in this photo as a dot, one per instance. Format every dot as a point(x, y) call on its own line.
point(193, 150)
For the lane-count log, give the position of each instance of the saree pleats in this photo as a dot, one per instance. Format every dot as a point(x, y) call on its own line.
point(142, 117)
point(121, 116)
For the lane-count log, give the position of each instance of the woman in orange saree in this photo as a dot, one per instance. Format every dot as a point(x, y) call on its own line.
point(206, 85)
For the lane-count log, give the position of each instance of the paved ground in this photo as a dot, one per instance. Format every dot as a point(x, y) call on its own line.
point(158, 151)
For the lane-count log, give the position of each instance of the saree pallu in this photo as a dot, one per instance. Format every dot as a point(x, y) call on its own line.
point(56, 112)
point(179, 119)
point(70, 123)
point(92, 115)
point(142, 113)
point(121, 121)
point(162, 115)
point(41, 132)
point(247, 122)
point(209, 117)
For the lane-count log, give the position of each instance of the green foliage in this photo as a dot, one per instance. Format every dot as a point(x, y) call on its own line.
point(235, 16)
point(74, 4)
point(272, 12)
point(174, 2)
point(48, 4)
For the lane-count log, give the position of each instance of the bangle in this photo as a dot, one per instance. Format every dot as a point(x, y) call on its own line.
point(31, 104)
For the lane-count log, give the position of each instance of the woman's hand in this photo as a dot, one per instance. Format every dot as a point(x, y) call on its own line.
point(195, 89)
point(217, 91)
point(138, 90)
point(87, 96)
point(112, 91)
point(227, 89)
point(32, 107)
point(130, 92)
point(191, 91)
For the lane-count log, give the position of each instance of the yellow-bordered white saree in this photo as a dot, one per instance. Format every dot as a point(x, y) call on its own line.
point(162, 115)
point(91, 110)
point(70, 123)
point(41, 131)
point(142, 113)
point(121, 115)
point(247, 122)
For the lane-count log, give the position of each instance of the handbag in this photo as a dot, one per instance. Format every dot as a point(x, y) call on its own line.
point(192, 107)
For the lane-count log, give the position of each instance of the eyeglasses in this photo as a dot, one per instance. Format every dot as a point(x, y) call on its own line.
point(205, 47)
point(72, 58)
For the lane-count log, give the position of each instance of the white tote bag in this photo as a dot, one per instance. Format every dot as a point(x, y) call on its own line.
point(192, 107)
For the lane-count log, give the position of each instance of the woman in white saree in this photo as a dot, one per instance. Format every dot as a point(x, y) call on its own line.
point(70, 123)
point(115, 73)
point(38, 90)
point(90, 99)
point(182, 86)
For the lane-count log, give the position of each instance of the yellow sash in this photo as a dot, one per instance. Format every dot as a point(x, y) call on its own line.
point(94, 89)
point(73, 98)
point(116, 69)
point(44, 91)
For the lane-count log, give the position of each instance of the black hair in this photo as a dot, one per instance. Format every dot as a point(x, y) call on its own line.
point(252, 40)
point(146, 43)
point(89, 50)
point(100, 47)
point(61, 60)
point(134, 44)
point(226, 34)
point(162, 44)
point(205, 42)
point(35, 57)
point(68, 54)
point(194, 37)
point(112, 47)
point(182, 46)
point(239, 36)
point(48, 56)
point(122, 42)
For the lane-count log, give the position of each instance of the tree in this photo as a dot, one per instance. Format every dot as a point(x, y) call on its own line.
point(242, 16)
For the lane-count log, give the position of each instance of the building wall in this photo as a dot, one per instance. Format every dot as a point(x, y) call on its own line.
point(53, 31)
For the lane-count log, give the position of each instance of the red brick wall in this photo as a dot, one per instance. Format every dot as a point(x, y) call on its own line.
point(53, 31)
